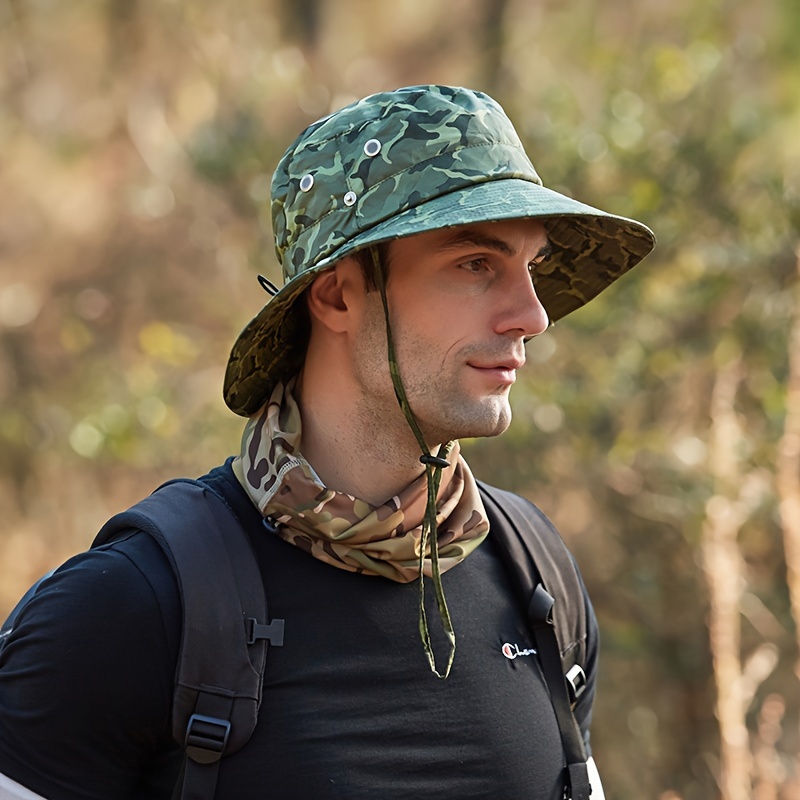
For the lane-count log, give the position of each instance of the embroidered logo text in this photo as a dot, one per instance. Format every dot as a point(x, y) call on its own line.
point(511, 651)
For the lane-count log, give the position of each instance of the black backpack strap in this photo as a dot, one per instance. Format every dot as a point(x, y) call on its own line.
point(546, 578)
point(225, 632)
point(535, 553)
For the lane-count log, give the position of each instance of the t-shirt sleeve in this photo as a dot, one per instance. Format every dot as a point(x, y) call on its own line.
point(86, 678)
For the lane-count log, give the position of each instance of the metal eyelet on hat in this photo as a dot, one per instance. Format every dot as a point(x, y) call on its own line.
point(306, 182)
point(350, 199)
point(372, 147)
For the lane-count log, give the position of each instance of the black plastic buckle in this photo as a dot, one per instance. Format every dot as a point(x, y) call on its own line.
point(206, 738)
point(576, 683)
point(540, 608)
point(272, 632)
point(577, 785)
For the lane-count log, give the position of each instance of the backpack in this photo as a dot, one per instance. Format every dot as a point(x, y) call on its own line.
point(226, 635)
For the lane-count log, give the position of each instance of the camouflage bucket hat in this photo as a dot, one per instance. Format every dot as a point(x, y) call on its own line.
point(405, 162)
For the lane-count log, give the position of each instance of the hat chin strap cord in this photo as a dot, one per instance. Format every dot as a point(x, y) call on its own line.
point(434, 464)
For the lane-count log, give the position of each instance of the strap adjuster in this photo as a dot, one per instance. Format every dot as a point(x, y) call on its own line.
point(206, 738)
point(576, 683)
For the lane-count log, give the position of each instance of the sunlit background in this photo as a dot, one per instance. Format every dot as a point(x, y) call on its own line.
point(658, 427)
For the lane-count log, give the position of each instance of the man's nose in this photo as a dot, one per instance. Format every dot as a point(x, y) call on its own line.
point(524, 315)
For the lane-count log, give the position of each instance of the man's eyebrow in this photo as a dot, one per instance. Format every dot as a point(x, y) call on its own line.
point(480, 240)
point(470, 238)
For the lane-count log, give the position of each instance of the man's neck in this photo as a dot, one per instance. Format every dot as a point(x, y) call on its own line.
point(355, 452)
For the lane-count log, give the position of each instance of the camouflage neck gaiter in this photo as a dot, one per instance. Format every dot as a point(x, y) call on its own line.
point(339, 529)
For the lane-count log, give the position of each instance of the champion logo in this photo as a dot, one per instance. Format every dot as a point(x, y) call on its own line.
point(512, 651)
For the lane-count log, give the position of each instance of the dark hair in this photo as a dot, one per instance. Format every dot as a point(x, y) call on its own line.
point(364, 259)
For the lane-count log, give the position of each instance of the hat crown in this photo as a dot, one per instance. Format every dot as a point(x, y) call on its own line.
point(381, 156)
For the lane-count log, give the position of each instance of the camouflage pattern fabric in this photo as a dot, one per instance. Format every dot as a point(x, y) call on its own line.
point(405, 162)
point(344, 531)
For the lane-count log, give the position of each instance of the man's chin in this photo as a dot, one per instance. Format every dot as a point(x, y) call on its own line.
point(501, 426)
point(483, 426)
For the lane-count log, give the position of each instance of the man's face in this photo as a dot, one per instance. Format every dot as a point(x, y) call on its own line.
point(461, 303)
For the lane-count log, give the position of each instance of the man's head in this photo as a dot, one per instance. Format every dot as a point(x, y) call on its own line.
point(419, 160)
point(462, 302)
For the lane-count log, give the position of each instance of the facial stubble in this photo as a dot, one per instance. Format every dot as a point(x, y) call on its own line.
point(436, 387)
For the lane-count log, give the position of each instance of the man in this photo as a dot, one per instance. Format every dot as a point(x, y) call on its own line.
point(420, 253)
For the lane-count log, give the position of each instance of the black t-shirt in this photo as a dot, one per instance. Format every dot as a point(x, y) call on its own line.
point(350, 708)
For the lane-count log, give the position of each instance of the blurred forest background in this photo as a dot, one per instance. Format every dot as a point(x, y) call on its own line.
point(659, 427)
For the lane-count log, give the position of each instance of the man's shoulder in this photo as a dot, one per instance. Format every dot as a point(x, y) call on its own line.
point(142, 562)
point(519, 511)
point(127, 576)
point(124, 580)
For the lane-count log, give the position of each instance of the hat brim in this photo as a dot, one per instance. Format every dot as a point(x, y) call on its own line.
point(591, 249)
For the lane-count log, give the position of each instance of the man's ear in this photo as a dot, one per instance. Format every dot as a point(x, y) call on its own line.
point(334, 295)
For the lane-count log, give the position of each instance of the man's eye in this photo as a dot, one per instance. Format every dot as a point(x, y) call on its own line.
point(533, 269)
point(474, 265)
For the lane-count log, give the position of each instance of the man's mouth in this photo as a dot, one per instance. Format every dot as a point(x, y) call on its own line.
point(502, 372)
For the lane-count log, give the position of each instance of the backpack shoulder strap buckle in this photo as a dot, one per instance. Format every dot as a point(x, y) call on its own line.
point(576, 683)
point(206, 738)
point(273, 632)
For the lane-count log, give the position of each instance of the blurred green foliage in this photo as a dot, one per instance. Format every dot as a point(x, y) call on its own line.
point(138, 142)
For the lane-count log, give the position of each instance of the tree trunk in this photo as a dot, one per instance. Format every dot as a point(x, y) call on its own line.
point(788, 476)
point(722, 563)
point(788, 469)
